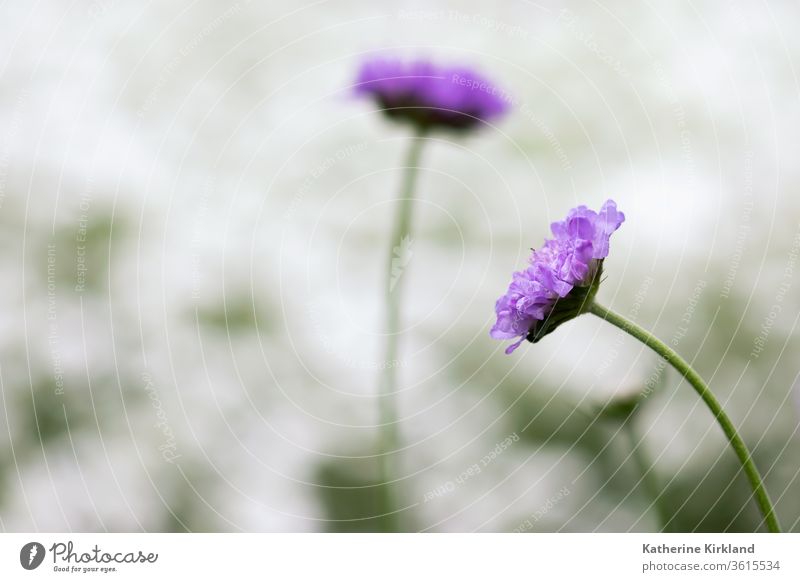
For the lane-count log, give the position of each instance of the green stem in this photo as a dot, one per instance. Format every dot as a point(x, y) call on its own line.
point(649, 480)
point(398, 255)
point(683, 367)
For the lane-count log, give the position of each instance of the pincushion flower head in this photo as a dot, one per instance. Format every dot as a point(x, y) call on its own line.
point(562, 277)
point(561, 282)
point(429, 96)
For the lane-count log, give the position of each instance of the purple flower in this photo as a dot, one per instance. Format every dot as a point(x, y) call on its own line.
point(562, 278)
point(429, 96)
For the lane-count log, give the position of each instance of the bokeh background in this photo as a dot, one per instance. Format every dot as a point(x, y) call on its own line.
point(194, 211)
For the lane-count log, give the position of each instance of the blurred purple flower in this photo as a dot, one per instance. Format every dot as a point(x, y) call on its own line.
point(429, 96)
point(562, 278)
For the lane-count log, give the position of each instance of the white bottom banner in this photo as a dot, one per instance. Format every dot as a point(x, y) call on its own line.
point(400, 557)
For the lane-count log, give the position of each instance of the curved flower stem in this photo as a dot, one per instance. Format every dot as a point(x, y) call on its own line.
point(649, 480)
point(398, 256)
point(736, 442)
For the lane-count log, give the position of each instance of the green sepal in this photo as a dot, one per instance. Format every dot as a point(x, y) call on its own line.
point(574, 304)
